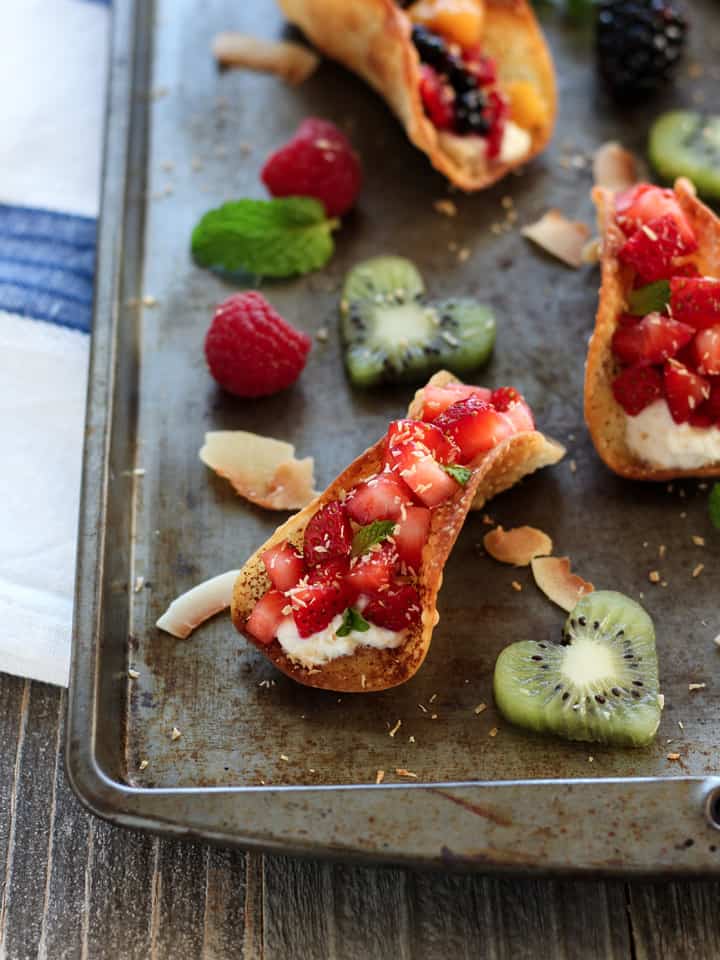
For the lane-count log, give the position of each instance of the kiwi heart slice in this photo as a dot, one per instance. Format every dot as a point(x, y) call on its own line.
point(684, 143)
point(600, 683)
point(392, 334)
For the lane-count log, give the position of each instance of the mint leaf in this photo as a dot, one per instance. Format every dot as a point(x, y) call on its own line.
point(714, 505)
point(374, 532)
point(653, 296)
point(352, 620)
point(461, 474)
point(270, 238)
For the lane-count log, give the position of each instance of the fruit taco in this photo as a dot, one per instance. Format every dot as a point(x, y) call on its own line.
point(472, 81)
point(343, 595)
point(652, 382)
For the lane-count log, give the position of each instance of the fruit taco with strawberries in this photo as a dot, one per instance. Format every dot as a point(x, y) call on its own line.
point(343, 595)
point(471, 81)
point(652, 382)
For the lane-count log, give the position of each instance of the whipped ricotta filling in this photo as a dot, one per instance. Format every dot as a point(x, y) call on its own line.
point(653, 436)
point(471, 151)
point(325, 645)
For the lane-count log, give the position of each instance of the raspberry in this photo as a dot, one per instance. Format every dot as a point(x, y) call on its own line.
point(437, 98)
point(318, 162)
point(250, 349)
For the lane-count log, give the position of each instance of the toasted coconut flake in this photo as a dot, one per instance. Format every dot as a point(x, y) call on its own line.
point(554, 578)
point(592, 251)
point(291, 62)
point(614, 167)
point(261, 469)
point(558, 236)
point(517, 546)
point(198, 605)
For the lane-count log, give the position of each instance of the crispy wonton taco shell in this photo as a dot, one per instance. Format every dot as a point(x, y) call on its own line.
point(373, 39)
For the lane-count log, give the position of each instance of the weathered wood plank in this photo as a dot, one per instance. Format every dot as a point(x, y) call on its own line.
point(295, 889)
point(14, 694)
point(672, 921)
point(224, 931)
point(179, 900)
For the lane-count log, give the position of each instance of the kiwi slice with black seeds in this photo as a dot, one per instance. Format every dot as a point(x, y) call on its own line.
point(685, 143)
point(393, 334)
point(599, 683)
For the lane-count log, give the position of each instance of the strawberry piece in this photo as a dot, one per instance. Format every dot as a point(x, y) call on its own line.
point(636, 388)
point(628, 319)
point(437, 399)
point(437, 97)
point(267, 616)
point(496, 112)
point(314, 606)
point(318, 162)
point(423, 474)
point(330, 571)
point(644, 202)
point(410, 535)
point(284, 566)
point(685, 391)
point(380, 498)
point(706, 349)
point(372, 570)
point(686, 270)
point(396, 608)
point(507, 400)
point(250, 350)
point(708, 414)
point(482, 67)
point(475, 426)
point(696, 301)
point(654, 339)
point(328, 534)
point(652, 248)
point(423, 435)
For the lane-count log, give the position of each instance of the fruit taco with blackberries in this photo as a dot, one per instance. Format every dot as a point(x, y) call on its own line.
point(471, 81)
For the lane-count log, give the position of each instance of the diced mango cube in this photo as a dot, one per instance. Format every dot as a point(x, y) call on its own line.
point(528, 109)
point(458, 21)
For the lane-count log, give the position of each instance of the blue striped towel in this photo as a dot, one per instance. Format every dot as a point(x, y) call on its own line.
point(50, 160)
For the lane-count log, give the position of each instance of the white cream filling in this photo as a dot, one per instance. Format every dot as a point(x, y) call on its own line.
point(516, 143)
point(653, 436)
point(471, 151)
point(318, 648)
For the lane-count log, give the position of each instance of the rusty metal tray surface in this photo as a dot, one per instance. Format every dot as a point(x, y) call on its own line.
point(263, 762)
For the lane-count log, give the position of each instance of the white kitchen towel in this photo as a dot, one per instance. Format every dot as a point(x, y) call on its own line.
point(53, 57)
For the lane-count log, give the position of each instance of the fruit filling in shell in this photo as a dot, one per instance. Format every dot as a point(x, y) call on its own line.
point(354, 579)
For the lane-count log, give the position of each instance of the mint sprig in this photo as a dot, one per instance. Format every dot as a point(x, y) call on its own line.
point(373, 533)
point(651, 297)
point(268, 238)
point(714, 505)
point(461, 474)
point(352, 620)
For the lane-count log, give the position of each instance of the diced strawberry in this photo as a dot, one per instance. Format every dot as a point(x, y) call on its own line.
point(284, 566)
point(507, 400)
point(708, 414)
point(475, 426)
point(652, 248)
point(380, 498)
point(686, 270)
point(330, 571)
point(437, 97)
point(654, 339)
point(315, 605)
point(372, 570)
point(423, 474)
point(267, 616)
point(424, 435)
point(396, 608)
point(497, 112)
point(437, 399)
point(628, 319)
point(483, 68)
point(636, 388)
point(410, 535)
point(706, 350)
point(685, 391)
point(644, 202)
point(696, 301)
point(328, 534)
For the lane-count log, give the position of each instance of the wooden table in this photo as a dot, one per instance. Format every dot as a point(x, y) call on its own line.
point(75, 887)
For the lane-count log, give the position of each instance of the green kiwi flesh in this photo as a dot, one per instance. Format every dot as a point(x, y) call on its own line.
point(393, 335)
point(600, 683)
point(684, 143)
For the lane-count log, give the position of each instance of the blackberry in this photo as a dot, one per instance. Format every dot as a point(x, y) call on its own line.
point(638, 45)
point(469, 116)
point(432, 49)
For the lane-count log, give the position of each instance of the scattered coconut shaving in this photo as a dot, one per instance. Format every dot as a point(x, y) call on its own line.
point(558, 236)
point(379, 776)
point(198, 605)
point(517, 546)
point(261, 469)
point(291, 62)
point(614, 167)
point(554, 577)
point(402, 772)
